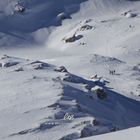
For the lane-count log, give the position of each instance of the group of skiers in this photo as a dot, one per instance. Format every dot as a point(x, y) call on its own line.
point(112, 72)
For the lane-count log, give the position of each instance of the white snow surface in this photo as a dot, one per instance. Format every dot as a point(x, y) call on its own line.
point(40, 99)
point(132, 133)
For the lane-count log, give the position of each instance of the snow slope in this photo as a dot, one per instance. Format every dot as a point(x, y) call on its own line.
point(28, 27)
point(93, 38)
point(35, 97)
point(132, 133)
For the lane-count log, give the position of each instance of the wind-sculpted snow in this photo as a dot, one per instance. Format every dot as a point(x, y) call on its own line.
point(43, 99)
point(132, 133)
point(27, 26)
point(76, 72)
point(37, 15)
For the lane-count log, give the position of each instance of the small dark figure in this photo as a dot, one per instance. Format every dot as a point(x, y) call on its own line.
point(95, 76)
point(110, 72)
point(114, 72)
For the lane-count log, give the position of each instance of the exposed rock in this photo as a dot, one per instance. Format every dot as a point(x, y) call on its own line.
point(39, 65)
point(86, 131)
point(129, 14)
point(61, 69)
point(19, 8)
point(85, 27)
point(99, 91)
point(87, 86)
point(62, 16)
point(70, 39)
point(73, 38)
point(114, 128)
point(95, 122)
point(8, 64)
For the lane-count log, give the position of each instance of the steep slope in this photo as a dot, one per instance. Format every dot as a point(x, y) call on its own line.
point(37, 98)
point(17, 28)
point(132, 133)
point(92, 39)
point(112, 34)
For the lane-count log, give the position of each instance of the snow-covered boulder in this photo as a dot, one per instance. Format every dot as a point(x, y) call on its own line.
point(95, 122)
point(18, 8)
point(60, 115)
point(61, 69)
point(62, 16)
point(87, 86)
point(72, 38)
point(8, 64)
point(19, 69)
point(99, 91)
point(8, 61)
point(130, 15)
point(39, 65)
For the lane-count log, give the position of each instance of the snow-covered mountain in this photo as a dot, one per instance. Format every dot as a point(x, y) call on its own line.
point(69, 69)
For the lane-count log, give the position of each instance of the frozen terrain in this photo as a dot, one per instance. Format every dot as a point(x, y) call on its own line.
point(69, 69)
point(132, 133)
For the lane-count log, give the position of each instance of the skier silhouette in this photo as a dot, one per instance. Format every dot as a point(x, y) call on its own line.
point(112, 72)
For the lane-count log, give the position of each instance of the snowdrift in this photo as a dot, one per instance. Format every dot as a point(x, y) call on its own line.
point(44, 97)
point(17, 28)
